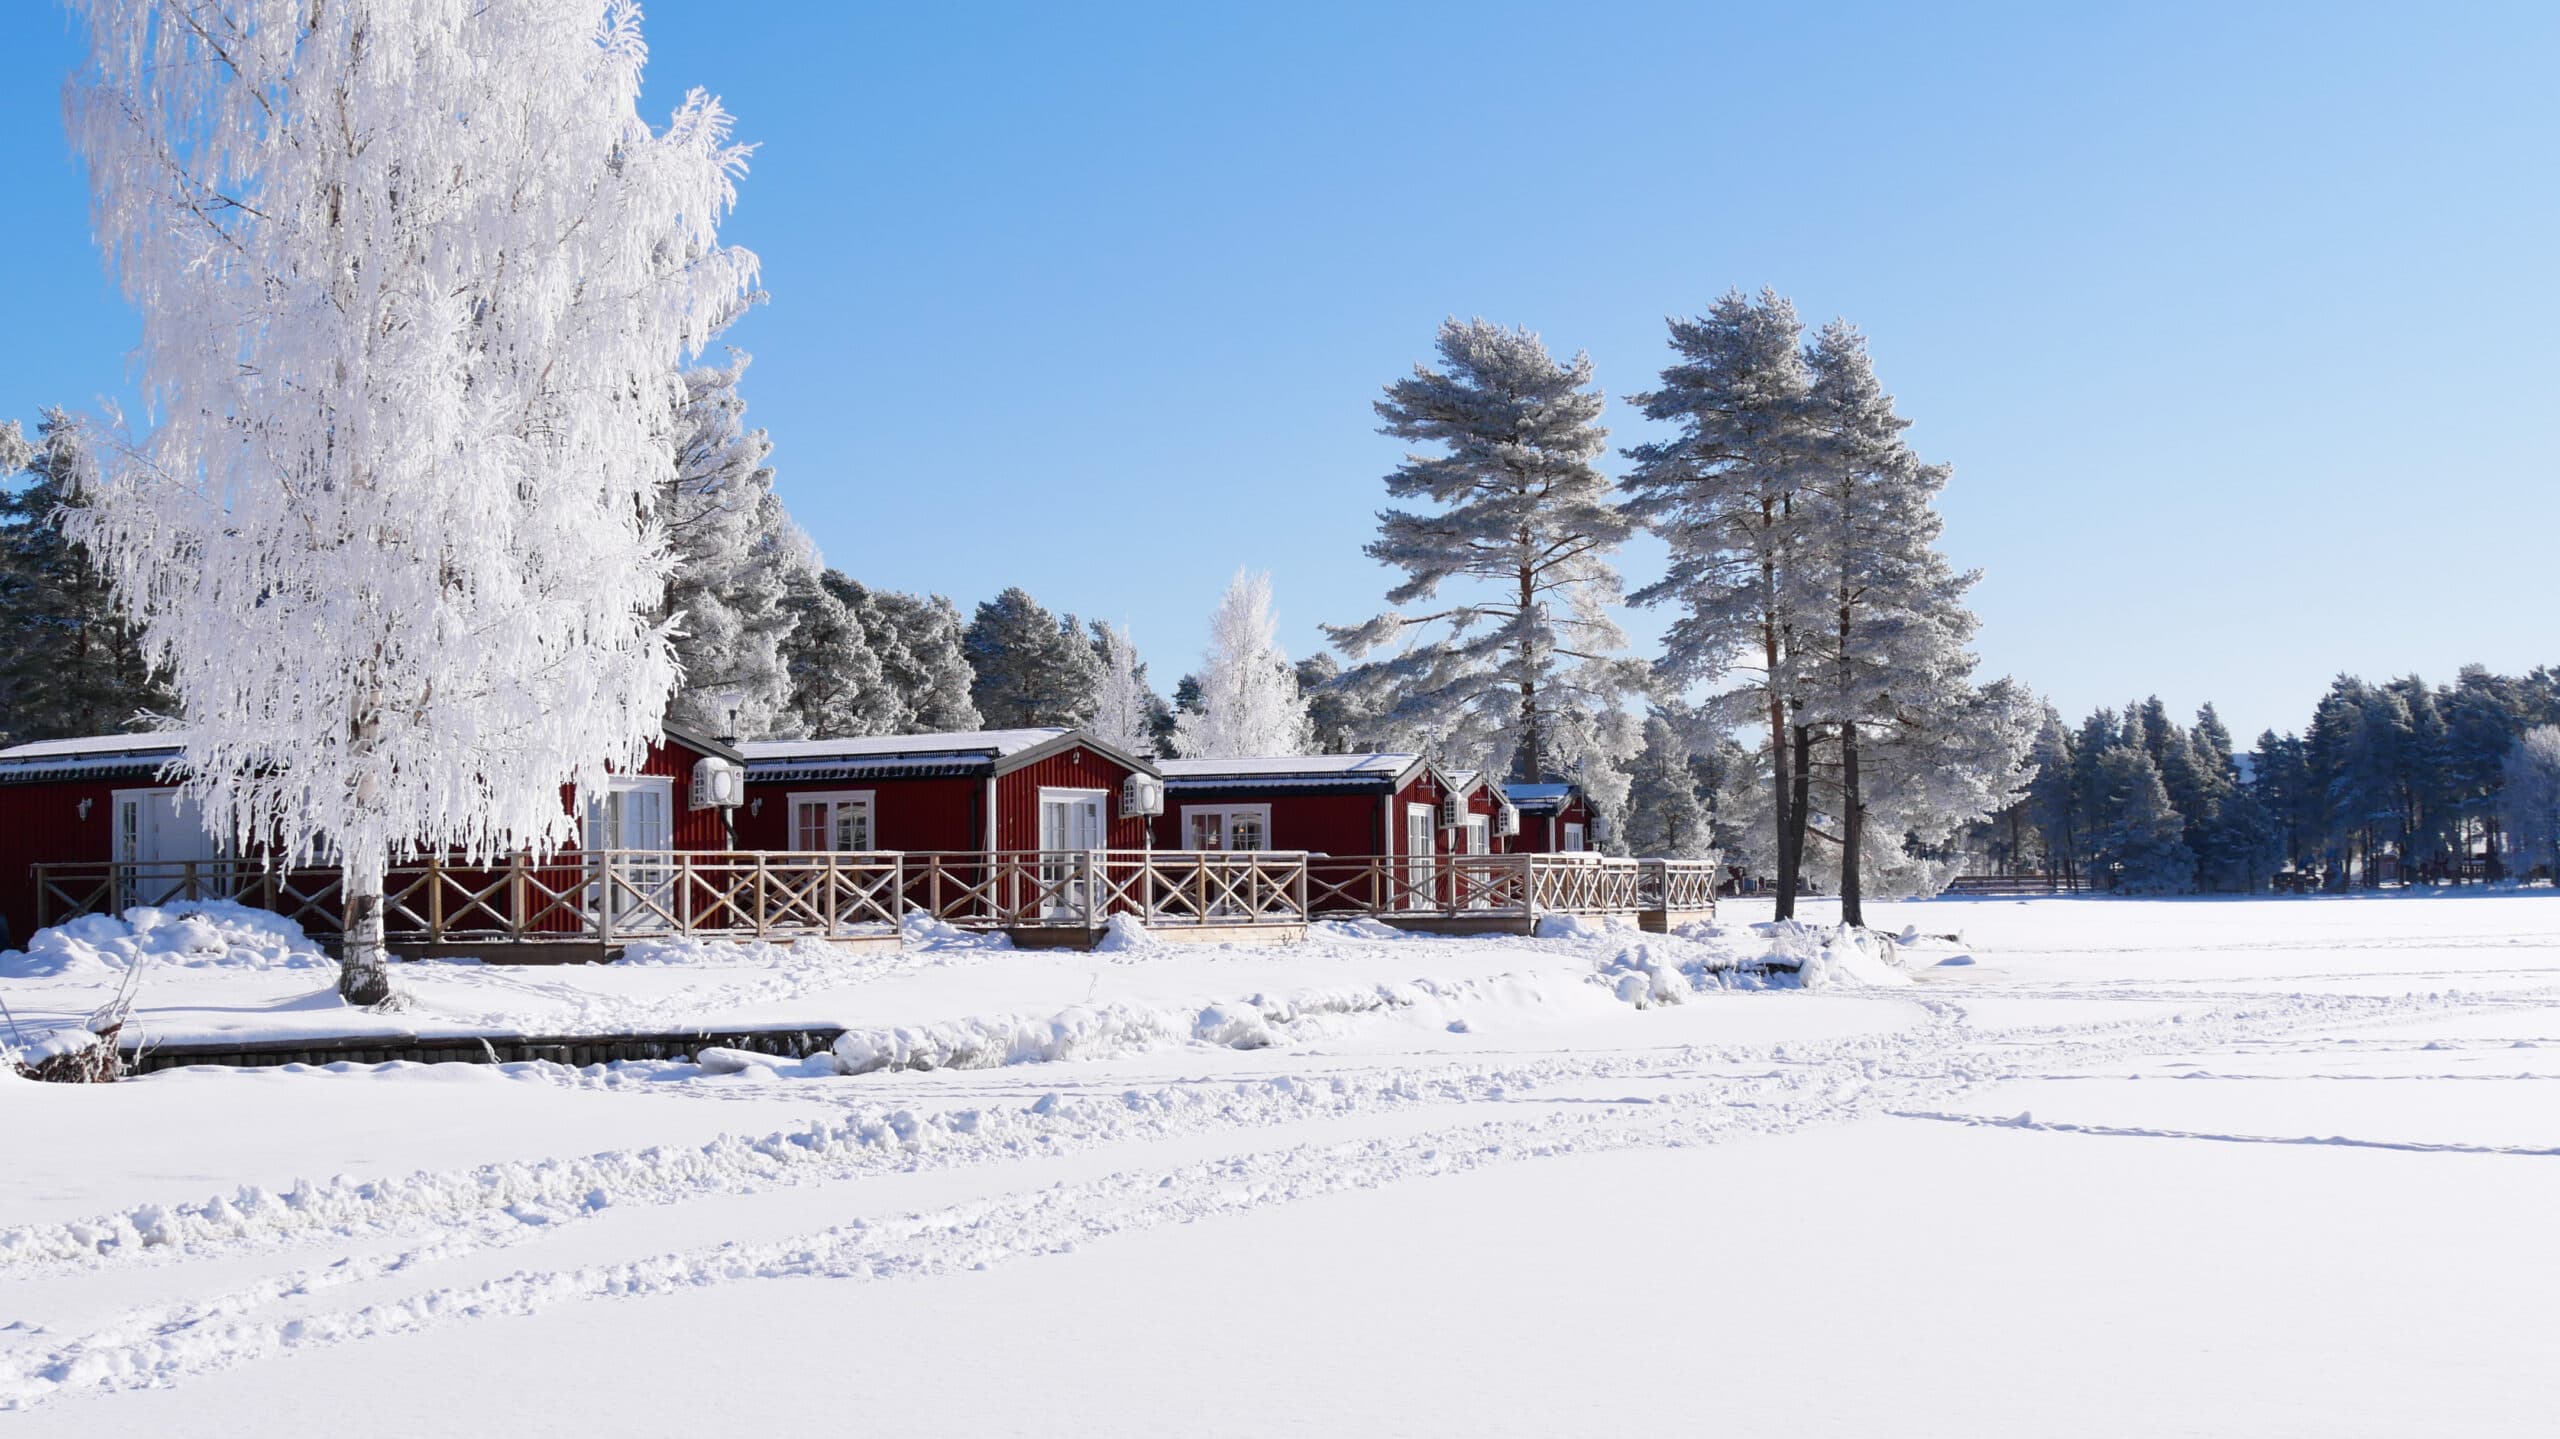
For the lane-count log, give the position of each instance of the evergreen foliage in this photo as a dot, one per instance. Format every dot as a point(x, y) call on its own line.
point(737, 562)
point(1664, 816)
point(2396, 778)
point(69, 664)
point(1521, 663)
point(1031, 667)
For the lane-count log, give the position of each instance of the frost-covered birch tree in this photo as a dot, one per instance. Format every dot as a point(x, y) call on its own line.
point(1520, 661)
point(738, 560)
point(1722, 494)
point(413, 280)
point(2533, 797)
point(1124, 711)
point(1249, 699)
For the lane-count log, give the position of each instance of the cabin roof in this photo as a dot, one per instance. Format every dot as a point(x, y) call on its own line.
point(1372, 771)
point(110, 756)
point(958, 754)
point(1539, 796)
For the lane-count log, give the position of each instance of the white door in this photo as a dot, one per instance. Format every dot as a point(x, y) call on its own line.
point(159, 832)
point(1071, 821)
point(637, 815)
point(1573, 839)
point(1421, 866)
point(1477, 876)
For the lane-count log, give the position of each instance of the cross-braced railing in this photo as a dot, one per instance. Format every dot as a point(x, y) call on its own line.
point(1677, 885)
point(613, 896)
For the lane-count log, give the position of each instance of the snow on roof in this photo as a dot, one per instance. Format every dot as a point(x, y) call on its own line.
point(1295, 766)
point(87, 746)
point(998, 743)
point(1537, 793)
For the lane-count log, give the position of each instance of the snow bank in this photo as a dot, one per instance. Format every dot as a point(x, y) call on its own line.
point(209, 934)
point(1580, 926)
point(1840, 958)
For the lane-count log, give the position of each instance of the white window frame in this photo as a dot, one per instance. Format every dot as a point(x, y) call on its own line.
point(628, 784)
point(1227, 815)
point(833, 799)
point(1574, 843)
point(1422, 867)
point(1479, 833)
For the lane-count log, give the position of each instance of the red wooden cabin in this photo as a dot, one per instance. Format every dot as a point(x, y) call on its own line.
point(1554, 819)
point(987, 790)
point(114, 799)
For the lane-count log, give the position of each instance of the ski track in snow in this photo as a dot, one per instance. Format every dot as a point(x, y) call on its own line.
point(1715, 1093)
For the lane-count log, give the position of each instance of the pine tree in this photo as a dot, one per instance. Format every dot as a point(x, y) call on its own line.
point(1722, 494)
point(1886, 672)
point(738, 561)
point(1664, 817)
point(921, 643)
point(839, 686)
point(1032, 668)
point(1340, 719)
point(409, 277)
point(1519, 523)
point(2053, 800)
point(69, 664)
point(1249, 700)
point(2141, 841)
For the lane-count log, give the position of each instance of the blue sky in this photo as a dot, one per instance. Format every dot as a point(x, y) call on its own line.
point(2236, 323)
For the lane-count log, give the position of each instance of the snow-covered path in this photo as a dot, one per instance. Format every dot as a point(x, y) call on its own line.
point(2134, 1168)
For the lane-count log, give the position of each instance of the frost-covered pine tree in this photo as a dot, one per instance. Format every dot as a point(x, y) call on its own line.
point(738, 560)
point(1124, 712)
point(1511, 539)
point(69, 663)
point(1721, 492)
point(1664, 818)
point(840, 686)
point(1885, 674)
point(412, 279)
point(1032, 668)
point(919, 640)
point(1249, 700)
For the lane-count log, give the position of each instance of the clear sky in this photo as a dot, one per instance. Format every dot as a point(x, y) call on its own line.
point(2235, 322)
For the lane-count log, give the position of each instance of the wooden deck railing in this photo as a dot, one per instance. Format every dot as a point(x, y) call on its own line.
point(611, 897)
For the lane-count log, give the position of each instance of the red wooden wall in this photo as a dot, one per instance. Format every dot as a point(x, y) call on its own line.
point(1018, 798)
point(911, 814)
point(41, 823)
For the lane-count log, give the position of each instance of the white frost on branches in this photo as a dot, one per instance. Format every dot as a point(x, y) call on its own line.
point(414, 279)
point(1249, 699)
point(1124, 709)
point(739, 559)
point(1521, 664)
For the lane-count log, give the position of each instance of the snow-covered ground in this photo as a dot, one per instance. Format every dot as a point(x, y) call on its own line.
point(2123, 1167)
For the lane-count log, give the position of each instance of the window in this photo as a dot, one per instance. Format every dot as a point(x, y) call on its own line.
point(1572, 838)
point(637, 812)
point(838, 821)
point(1226, 826)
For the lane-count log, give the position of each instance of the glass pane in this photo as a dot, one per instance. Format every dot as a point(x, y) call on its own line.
point(1248, 831)
point(1206, 831)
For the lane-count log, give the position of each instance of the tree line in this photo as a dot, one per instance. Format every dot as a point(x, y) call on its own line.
point(2441, 782)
